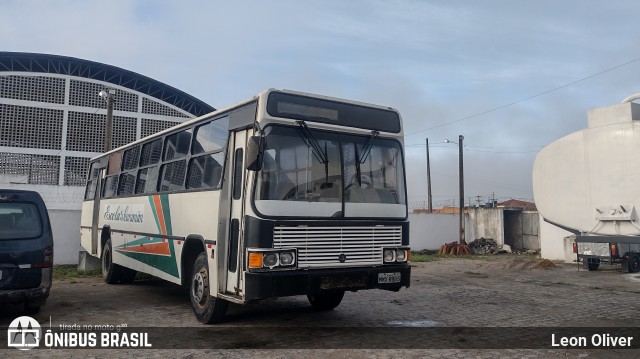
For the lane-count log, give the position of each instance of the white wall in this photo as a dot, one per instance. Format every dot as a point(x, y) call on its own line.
point(65, 225)
point(55, 197)
point(553, 244)
point(431, 230)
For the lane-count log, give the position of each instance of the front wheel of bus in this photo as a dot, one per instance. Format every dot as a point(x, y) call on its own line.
point(207, 309)
point(326, 301)
point(111, 272)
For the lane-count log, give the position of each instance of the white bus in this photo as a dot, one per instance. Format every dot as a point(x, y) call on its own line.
point(283, 194)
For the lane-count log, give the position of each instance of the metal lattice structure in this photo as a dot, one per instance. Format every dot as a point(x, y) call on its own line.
point(74, 67)
point(52, 119)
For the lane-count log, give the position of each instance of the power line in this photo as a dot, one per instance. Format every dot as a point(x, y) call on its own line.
point(484, 149)
point(526, 98)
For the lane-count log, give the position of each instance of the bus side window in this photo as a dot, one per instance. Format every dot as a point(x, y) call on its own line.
point(151, 152)
point(205, 171)
point(172, 176)
point(127, 180)
point(237, 174)
point(211, 136)
point(131, 158)
point(147, 180)
point(177, 145)
point(110, 187)
point(90, 190)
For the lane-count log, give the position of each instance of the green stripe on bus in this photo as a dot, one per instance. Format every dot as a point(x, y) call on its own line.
point(142, 240)
point(155, 214)
point(163, 263)
point(166, 210)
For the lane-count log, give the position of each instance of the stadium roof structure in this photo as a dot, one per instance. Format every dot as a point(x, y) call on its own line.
point(64, 65)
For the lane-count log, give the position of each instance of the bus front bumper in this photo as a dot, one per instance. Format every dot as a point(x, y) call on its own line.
point(265, 285)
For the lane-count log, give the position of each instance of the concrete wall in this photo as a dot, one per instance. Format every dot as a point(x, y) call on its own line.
point(553, 244)
point(487, 223)
point(65, 225)
point(431, 230)
point(55, 197)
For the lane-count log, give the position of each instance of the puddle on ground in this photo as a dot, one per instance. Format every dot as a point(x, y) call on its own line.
point(413, 323)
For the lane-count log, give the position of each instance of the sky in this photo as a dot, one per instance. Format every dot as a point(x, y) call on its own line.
point(510, 76)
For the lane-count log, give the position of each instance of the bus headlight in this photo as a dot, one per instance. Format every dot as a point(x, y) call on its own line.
point(395, 255)
point(389, 255)
point(259, 259)
point(270, 260)
point(286, 258)
point(401, 255)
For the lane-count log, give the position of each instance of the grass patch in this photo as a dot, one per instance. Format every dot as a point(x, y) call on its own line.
point(69, 272)
point(426, 257)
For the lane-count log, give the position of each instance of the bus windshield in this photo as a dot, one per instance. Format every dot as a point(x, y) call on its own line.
point(322, 174)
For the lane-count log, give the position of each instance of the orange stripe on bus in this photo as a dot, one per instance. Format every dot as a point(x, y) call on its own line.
point(153, 248)
point(163, 227)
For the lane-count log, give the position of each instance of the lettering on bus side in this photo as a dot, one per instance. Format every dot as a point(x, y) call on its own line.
point(130, 213)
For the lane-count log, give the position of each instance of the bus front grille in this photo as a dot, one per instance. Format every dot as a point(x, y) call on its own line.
point(337, 246)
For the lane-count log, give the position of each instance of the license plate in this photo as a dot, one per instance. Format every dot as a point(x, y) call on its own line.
point(384, 278)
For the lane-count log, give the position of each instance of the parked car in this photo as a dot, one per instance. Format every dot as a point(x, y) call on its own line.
point(26, 249)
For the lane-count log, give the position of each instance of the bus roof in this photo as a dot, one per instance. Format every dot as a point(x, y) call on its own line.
point(262, 95)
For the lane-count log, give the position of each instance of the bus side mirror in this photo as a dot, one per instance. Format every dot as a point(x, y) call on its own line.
point(254, 154)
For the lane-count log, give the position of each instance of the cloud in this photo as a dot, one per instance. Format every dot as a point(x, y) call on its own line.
point(435, 61)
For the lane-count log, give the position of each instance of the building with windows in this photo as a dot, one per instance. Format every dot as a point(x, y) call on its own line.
point(52, 121)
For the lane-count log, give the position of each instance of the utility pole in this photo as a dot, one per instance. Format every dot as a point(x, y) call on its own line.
point(430, 200)
point(109, 95)
point(461, 175)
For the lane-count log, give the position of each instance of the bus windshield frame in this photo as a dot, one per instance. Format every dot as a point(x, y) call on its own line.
point(347, 181)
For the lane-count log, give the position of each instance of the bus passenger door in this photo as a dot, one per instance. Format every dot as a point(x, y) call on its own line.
point(234, 240)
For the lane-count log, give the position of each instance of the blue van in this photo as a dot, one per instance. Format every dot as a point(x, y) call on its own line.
point(26, 249)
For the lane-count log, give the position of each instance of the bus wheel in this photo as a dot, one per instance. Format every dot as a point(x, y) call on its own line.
point(207, 309)
point(111, 272)
point(127, 275)
point(326, 301)
point(634, 264)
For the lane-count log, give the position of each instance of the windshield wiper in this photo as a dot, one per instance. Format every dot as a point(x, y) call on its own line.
point(366, 150)
point(316, 149)
point(367, 147)
point(313, 143)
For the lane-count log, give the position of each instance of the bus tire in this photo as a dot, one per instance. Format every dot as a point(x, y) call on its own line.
point(634, 264)
point(127, 275)
point(111, 272)
point(206, 308)
point(326, 301)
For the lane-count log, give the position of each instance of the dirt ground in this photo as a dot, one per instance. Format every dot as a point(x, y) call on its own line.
point(496, 291)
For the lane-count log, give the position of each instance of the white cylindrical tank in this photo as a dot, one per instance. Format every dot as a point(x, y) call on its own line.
point(589, 181)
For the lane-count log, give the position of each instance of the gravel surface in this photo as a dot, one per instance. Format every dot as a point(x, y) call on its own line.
point(497, 291)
